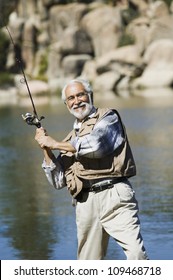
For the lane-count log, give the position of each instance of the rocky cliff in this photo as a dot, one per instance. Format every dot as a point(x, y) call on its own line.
point(126, 44)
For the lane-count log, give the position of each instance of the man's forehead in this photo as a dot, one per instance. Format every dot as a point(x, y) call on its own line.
point(74, 88)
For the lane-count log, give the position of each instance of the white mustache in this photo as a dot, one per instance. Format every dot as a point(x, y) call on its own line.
point(79, 105)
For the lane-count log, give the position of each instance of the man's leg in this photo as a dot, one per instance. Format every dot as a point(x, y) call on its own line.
point(121, 221)
point(92, 238)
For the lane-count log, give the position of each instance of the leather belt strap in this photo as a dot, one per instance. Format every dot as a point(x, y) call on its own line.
point(104, 184)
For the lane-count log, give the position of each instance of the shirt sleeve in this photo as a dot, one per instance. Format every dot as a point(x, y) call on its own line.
point(54, 173)
point(105, 138)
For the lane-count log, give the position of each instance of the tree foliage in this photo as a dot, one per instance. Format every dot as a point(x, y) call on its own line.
point(4, 43)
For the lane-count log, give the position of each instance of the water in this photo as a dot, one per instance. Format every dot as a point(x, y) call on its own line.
point(38, 222)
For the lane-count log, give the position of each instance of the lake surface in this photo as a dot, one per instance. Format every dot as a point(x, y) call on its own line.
point(38, 222)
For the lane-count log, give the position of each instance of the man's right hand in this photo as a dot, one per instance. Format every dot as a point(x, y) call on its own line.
point(39, 135)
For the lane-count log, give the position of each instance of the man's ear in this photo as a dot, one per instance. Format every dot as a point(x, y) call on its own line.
point(92, 97)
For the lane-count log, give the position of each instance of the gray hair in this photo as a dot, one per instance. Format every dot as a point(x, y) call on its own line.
point(85, 84)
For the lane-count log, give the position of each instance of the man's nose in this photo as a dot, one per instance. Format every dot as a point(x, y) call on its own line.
point(77, 99)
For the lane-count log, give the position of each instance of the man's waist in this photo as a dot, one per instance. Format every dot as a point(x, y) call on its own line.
point(101, 184)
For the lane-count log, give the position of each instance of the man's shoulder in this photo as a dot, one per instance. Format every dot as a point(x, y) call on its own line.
point(105, 111)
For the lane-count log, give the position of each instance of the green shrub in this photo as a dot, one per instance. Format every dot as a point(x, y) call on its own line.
point(125, 40)
point(4, 44)
point(6, 79)
point(43, 65)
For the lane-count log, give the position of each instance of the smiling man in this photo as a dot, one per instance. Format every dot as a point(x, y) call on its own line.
point(95, 163)
point(78, 99)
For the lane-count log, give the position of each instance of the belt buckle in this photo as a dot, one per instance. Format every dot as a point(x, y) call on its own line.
point(99, 186)
point(94, 188)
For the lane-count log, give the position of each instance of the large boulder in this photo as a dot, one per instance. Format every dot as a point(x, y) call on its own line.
point(15, 27)
point(76, 41)
point(124, 60)
point(157, 23)
point(83, 38)
point(73, 64)
point(36, 87)
point(89, 71)
point(106, 82)
point(157, 9)
point(29, 44)
point(26, 8)
point(140, 29)
point(104, 26)
point(159, 65)
point(64, 16)
point(54, 61)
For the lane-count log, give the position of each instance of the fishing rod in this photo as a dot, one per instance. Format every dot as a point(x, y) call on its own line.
point(30, 119)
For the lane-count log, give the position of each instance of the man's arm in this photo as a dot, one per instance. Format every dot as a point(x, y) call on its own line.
point(48, 143)
point(51, 165)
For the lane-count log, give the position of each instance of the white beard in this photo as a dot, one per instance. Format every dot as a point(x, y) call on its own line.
point(84, 113)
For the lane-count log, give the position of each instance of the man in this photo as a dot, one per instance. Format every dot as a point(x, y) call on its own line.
point(95, 162)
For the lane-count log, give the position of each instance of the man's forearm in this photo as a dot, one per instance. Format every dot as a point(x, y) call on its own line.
point(51, 144)
point(47, 142)
point(48, 155)
point(64, 146)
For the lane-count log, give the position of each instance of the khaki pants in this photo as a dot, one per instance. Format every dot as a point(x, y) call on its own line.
point(112, 212)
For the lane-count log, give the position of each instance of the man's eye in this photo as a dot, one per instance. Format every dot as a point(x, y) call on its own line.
point(81, 94)
point(70, 98)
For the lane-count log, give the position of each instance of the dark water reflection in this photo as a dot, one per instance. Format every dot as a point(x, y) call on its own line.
point(38, 222)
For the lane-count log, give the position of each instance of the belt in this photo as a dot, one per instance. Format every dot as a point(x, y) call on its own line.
point(103, 184)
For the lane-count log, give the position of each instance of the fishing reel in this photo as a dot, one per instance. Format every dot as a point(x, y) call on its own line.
point(32, 119)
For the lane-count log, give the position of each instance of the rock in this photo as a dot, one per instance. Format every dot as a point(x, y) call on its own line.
point(26, 9)
point(43, 39)
point(53, 2)
point(141, 6)
point(8, 96)
point(36, 87)
point(159, 65)
point(76, 41)
point(127, 54)
point(28, 48)
point(125, 60)
point(64, 16)
point(145, 30)
point(15, 26)
point(83, 39)
point(56, 84)
point(157, 9)
point(171, 7)
point(153, 92)
point(106, 82)
point(89, 70)
point(54, 61)
point(140, 29)
point(73, 64)
point(104, 26)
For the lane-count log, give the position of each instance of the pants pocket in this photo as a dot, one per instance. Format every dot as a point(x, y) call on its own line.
point(125, 192)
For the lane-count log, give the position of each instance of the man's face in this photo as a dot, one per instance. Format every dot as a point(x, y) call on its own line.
point(78, 101)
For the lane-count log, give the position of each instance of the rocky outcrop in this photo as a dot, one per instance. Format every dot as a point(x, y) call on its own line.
point(104, 26)
point(159, 65)
point(59, 41)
